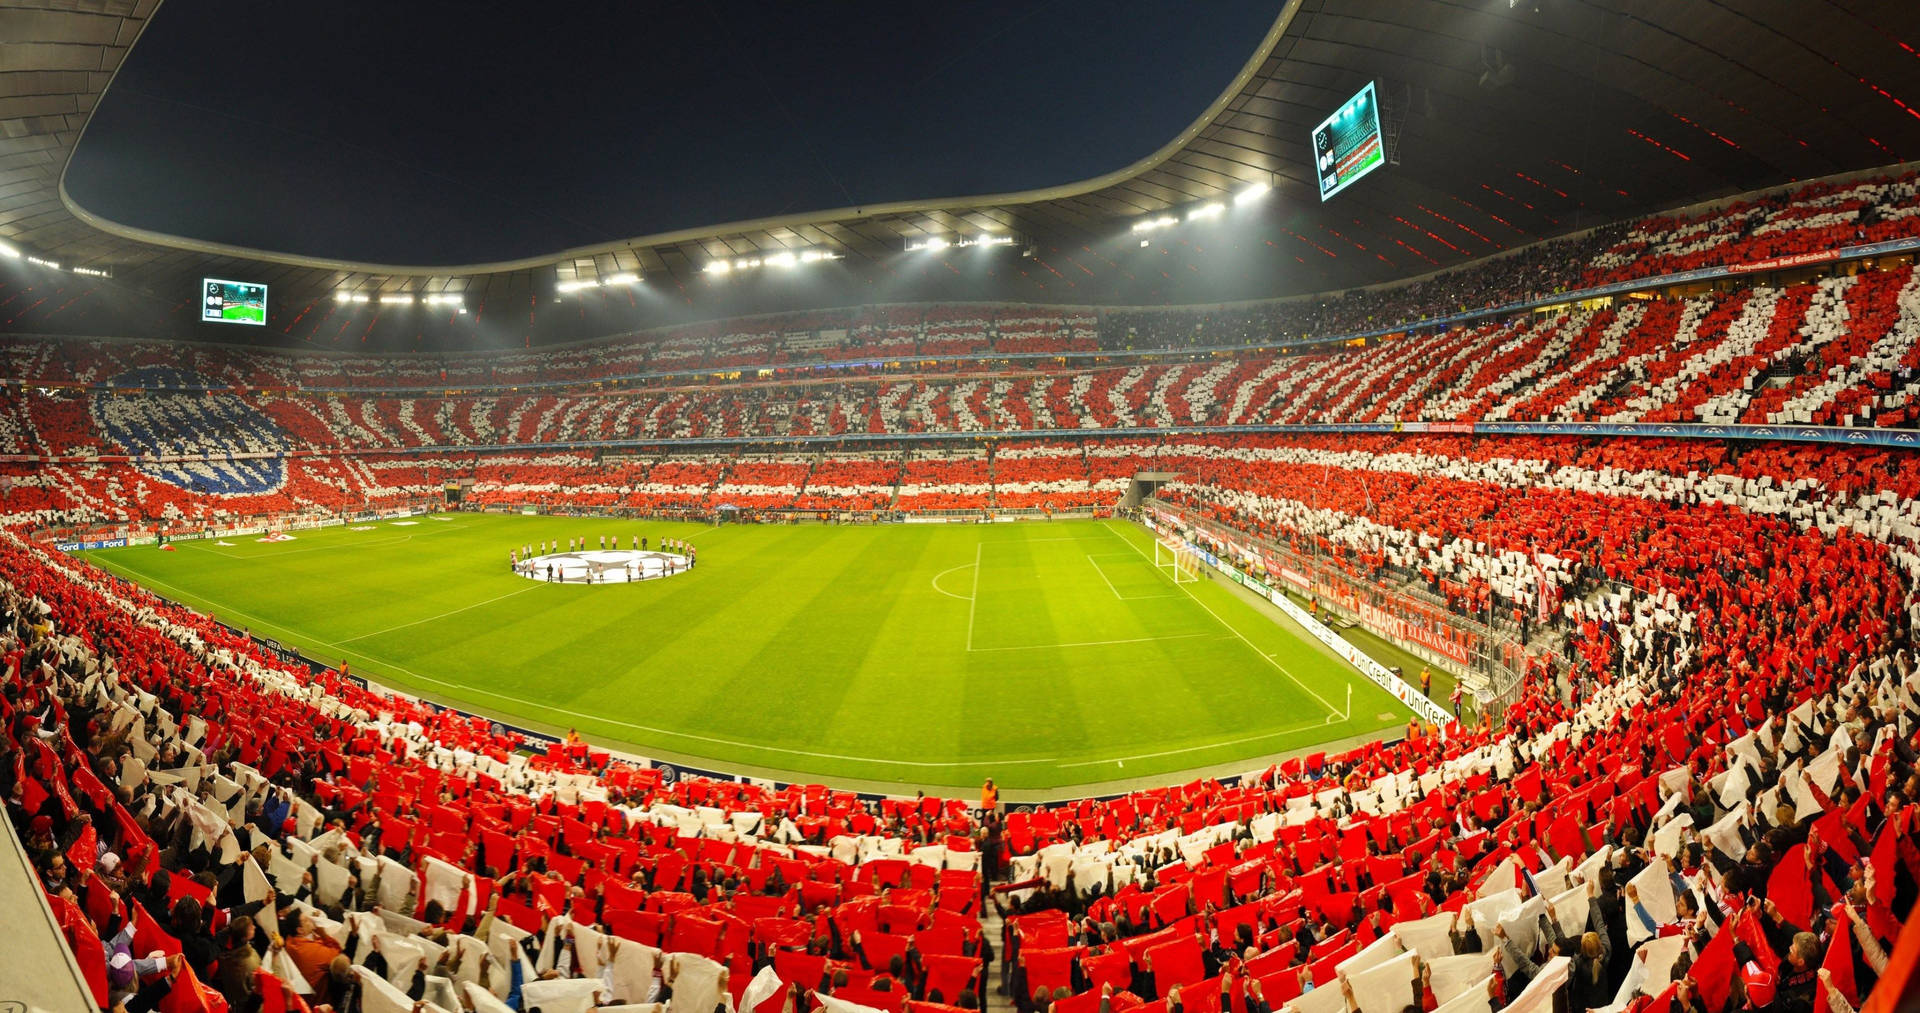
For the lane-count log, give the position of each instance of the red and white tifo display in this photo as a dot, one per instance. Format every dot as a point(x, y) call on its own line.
point(602, 566)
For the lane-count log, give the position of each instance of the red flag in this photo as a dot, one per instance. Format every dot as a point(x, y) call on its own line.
point(1886, 851)
point(1838, 965)
point(33, 795)
point(140, 849)
point(1529, 784)
point(1713, 972)
point(148, 936)
point(189, 996)
point(1564, 836)
point(87, 949)
point(87, 784)
point(85, 850)
point(1747, 929)
point(1789, 888)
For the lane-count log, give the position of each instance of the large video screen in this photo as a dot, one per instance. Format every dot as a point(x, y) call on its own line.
point(1346, 145)
point(232, 302)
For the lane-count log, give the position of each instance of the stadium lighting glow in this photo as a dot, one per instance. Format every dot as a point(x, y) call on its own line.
point(623, 278)
point(396, 300)
point(444, 299)
point(93, 272)
point(784, 258)
point(10, 251)
point(1149, 224)
point(940, 243)
point(577, 284)
point(1252, 193)
point(43, 263)
point(1206, 211)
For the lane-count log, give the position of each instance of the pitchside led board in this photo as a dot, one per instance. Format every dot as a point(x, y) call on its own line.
point(1346, 145)
point(232, 302)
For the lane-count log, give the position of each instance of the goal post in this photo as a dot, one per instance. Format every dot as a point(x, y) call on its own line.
point(1177, 560)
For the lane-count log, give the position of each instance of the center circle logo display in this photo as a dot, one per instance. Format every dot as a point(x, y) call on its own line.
point(170, 419)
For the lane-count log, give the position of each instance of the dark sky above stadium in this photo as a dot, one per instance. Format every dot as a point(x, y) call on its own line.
point(442, 133)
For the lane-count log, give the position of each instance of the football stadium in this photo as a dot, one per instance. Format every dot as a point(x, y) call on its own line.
point(1381, 506)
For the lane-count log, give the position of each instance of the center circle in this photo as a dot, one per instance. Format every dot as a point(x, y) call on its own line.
point(602, 566)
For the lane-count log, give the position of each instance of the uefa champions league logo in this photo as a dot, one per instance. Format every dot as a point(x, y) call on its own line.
point(668, 775)
point(161, 422)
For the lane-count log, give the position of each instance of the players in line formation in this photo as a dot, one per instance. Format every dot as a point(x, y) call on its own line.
point(679, 546)
point(672, 554)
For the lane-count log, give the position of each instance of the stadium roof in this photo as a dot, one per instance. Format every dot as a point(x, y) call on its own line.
point(1510, 121)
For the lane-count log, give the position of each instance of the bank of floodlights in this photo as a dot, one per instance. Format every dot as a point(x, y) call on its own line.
point(610, 281)
point(1201, 213)
point(937, 243)
point(784, 259)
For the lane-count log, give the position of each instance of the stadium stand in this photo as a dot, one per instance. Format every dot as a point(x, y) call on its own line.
point(419, 830)
point(1698, 796)
point(1838, 351)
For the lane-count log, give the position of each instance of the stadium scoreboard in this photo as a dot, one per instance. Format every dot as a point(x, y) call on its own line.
point(1347, 145)
point(232, 302)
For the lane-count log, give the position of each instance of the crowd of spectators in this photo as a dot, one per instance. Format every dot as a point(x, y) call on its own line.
point(1840, 350)
point(1705, 805)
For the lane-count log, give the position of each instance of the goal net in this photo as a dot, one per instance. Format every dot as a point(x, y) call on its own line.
point(1177, 560)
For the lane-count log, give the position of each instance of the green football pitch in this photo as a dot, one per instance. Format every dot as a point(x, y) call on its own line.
point(1044, 655)
point(245, 311)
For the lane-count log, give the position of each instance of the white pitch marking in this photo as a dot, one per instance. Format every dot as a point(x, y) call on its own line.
point(1262, 655)
point(1087, 643)
point(429, 619)
point(1116, 591)
point(973, 601)
point(1193, 749)
point(537, 706)
point(1104, 577)
point(942, 590)
point(602, 718)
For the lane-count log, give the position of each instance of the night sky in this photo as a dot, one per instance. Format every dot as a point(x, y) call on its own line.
point(429, 133)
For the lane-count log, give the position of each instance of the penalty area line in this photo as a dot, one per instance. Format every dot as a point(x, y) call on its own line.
point(1257, 652)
